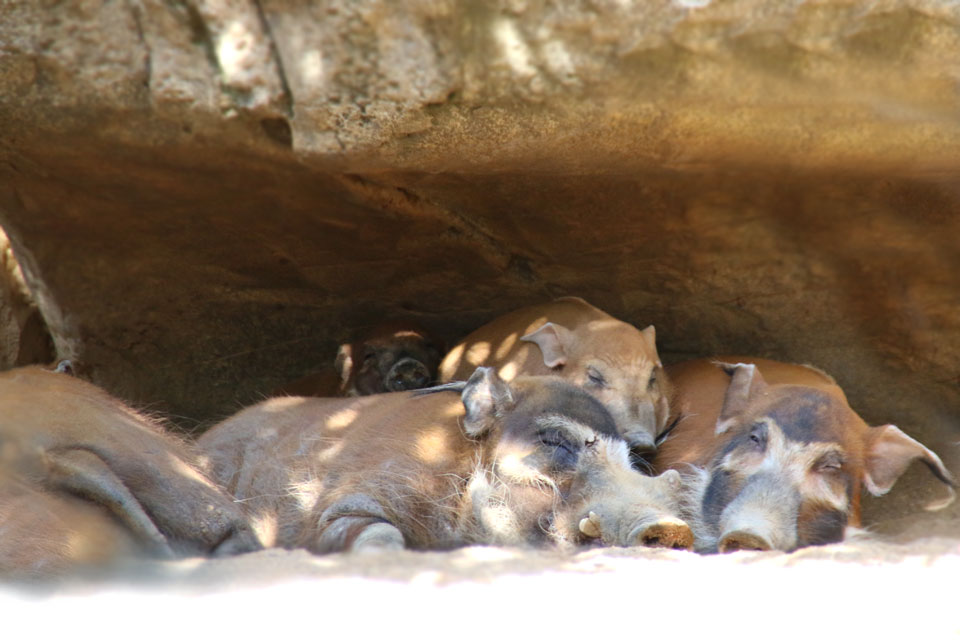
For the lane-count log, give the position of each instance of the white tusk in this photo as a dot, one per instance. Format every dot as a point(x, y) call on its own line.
point(588, 527)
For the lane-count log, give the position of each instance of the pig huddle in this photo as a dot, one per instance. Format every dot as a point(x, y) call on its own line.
point(546, 429)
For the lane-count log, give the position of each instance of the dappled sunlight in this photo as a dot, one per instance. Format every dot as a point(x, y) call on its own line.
point(331, 452)
point(452, 360)
point(341, 419)
point(186, 470)
point(433, 446)
point(508, 371)
point(264, 527)
point(311, 67)
point(281, 403)
point(454, 409)
point(307, 493)
point(513, 48)
point(506, 345)
point(235, 47)
point(478, 352)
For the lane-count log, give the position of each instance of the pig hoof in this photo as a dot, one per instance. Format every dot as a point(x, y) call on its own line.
point(669, 533)
point(376, 537)
point(589, 526)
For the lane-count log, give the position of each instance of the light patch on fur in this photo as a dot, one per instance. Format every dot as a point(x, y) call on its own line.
point(508, 371)
point(187, 471)
point(330, 453)
point(515, 470)
point(306, 493)
point(506, 345)
point(478, 353)
point(432, 446)
point(264, 527)
point(496, 521)
point(341, 419)
point(280, 404)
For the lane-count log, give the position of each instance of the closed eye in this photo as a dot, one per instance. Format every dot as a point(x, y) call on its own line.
point(829, 463)
point(596, 378)
point(565, 452)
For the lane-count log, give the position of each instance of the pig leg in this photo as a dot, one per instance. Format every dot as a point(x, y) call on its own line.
point(355, 523)
point(84, 474)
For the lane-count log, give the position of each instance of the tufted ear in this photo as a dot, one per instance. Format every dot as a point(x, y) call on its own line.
point(553, 340)
point(746, 383)
point(889, 452)
point(344, 363)
point(485, 397)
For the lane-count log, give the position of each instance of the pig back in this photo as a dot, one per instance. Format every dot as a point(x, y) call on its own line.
point(498, 345)
point(287, 459)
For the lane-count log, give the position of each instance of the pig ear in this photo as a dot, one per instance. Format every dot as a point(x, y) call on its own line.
point(650, 336)
point(889, 452)
point(552, 340)
point(344, 362)
point(745, 383)
point(485, 397)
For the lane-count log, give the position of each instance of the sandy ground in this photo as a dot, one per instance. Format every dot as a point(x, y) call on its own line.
point(868, 587)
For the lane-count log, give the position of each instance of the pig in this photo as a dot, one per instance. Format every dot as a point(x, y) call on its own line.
point(394, 356)
point(73, 456)
point(44, 534)
point(776, 457)
point(570, 338)
point(533, 462)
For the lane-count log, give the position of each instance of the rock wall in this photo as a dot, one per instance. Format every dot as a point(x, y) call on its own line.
point(207, 196)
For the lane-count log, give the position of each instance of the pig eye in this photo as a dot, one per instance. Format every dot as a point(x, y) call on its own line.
point(758, 436)
point(829, 463)
point(564, 451)
point(596, 378)
point(653, 381)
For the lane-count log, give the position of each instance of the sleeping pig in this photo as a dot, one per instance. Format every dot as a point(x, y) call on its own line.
point(612, 360)
point(84, 478)
point(393, 356)
point(778, 458)
point(532, 462)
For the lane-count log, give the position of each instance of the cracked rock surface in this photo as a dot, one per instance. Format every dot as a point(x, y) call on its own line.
point(207, 196)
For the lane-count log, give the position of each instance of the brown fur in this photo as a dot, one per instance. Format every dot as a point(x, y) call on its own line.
point(433, 471)
point(626, 357)
point(81, 454)
point(805, 420)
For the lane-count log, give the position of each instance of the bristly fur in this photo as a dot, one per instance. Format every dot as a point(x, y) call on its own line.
point(695, 482)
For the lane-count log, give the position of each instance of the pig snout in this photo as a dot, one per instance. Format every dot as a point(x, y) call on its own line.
point(641, 431)
point(668, 532)
point(640, 441)
point(407, 374)
point(655, 530)
point(761, 518)
point(621, 521)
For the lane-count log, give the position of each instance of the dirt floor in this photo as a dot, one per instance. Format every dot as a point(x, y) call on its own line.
point(870, 587)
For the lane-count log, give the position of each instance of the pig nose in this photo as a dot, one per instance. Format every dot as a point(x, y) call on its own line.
point(408, 374)
point(667, 532)
point(640, 442)
point(743, 541)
